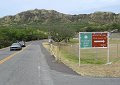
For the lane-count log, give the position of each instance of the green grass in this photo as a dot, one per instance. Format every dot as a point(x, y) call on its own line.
point(93, 56)
point(90, 56)
point(73, 41)
point(91, 61)
point(84, 60)
point(69, 56)
point(114, 41)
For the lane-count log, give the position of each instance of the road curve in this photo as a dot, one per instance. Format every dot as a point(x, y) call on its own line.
point(35, 66)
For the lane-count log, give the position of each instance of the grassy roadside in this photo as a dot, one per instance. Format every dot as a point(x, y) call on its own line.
point(95, 69)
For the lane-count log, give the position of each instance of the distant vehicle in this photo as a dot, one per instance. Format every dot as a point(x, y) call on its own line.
point(15, 46)
point(22, 43)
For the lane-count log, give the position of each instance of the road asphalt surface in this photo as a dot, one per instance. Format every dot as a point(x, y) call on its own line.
point(34, 65)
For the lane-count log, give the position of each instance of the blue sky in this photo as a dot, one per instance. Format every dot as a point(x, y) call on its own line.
point(12, 7)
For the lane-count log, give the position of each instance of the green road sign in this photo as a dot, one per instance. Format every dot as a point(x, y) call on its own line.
point(85, 40)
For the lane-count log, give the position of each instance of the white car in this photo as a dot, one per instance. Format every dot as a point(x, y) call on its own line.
point(22, 43)
point(15, 46)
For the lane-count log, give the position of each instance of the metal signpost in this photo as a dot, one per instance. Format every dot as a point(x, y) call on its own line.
point(93, 40)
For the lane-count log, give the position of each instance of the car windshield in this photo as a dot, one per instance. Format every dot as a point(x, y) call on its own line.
point(21, 42)
point(15, 44)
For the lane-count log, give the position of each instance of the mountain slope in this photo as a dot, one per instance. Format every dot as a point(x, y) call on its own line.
point(51, 17)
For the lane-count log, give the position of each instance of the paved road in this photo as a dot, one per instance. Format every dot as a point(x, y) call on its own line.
point(34, 66)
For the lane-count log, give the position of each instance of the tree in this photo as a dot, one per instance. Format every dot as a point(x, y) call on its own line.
point(89, 29)
point(115, 26)
point(60, 34)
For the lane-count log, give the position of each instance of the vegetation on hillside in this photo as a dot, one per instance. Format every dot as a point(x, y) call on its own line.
point(10, 35)
point(39, 24)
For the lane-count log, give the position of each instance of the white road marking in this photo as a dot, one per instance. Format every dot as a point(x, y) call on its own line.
point(39, 71)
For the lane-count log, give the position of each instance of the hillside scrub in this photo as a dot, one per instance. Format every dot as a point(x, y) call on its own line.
point(8, 36)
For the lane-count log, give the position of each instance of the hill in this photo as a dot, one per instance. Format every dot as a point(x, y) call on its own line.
point(41, 17)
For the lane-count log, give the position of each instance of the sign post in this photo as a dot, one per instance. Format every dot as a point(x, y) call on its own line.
point(85, 41)
point(79, 49)
point(93, 40)
point(108, 57)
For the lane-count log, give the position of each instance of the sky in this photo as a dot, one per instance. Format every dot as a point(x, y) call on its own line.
point(12, 7)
